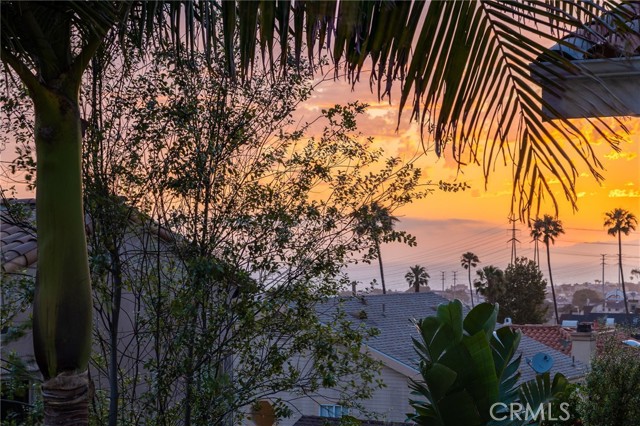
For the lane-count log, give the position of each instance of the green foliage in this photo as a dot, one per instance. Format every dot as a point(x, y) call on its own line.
point(251, 226)
point(490, 284)
point(611, 391)
point(465, 366)
point(523, 298)
point(564, 407)
point(586, 295)
point(17, 384)
point(468, 368)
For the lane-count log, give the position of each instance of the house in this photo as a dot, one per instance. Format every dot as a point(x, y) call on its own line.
point(393, 314)
point(19, 256)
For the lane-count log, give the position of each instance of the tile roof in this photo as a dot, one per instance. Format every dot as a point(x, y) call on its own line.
point(392, 315)
point(322, 421)
point(18, 237)
point(554, 336)
point(18, 243)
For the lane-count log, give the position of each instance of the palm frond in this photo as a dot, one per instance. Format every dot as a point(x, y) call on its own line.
point(464, 66)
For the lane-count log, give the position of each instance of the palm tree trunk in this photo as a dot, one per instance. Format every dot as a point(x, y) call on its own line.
point(416, 285)
point(384, 287)
point(553, 290)
point(470, 287)
point(114, 391)
point(624, 290)
point(62, 310)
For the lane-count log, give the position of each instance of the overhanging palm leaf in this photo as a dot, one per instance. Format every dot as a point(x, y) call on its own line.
point(470, 77)
point(473, 86)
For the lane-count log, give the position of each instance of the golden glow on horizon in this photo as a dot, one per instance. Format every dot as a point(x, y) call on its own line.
point(621, 170)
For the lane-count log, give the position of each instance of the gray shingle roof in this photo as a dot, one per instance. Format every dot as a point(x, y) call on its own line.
point(392, 315)
point(322, 421)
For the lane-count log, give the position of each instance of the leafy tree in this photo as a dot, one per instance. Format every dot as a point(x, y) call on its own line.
point(287, 246)
point(490, 284)
point(179, 299)
point(467, 367)
point(468, 261)
point(610, 394)
point(49, 45)
point(523, 299)
point(584, 295)
point(376, 223)
point(548, 229)
point(618, 222)
point(416, 277)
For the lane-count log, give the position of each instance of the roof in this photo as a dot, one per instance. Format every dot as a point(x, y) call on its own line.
point(597, 41)
point(392, 315)
point(554, 336)
point(321, 421)
point(18, 234)
point(18, 243)
point(594, 317)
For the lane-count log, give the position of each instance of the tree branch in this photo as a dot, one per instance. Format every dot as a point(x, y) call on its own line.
point(25, 74)
point(84, 57)
point(44, 48)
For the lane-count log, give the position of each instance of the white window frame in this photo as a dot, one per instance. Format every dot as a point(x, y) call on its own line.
point(333, 411)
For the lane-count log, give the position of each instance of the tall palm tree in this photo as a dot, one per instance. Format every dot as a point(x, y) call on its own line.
point(416, 277)
point(618, 222)
point(376, 223)
point(548, 229)
point(469, 61)
point(468, 261)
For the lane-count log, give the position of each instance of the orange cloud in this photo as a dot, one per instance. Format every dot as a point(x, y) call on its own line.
point(624, 193)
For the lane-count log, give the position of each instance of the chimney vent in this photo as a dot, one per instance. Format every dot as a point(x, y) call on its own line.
point(584, 327)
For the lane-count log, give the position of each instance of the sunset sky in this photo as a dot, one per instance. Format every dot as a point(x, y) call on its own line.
point(449, 224)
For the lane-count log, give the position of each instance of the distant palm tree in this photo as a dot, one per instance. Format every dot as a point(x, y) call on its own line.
point(548, 229)
point(416, 277)
point(620, 221)
point(468, 261)
point(376, 223)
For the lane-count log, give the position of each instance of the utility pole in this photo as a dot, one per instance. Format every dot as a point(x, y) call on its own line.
point(604, 296)
point(513, 239)
point(442, 282)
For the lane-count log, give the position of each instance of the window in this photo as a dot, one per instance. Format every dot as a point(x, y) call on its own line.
point(333, 411)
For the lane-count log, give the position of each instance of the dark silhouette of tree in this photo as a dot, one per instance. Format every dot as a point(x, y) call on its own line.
point(548, 229)
point(525, 288)
point(416, 277)
point(490, 283)
point(468, 261)
point(618, 222)
point(585, 297)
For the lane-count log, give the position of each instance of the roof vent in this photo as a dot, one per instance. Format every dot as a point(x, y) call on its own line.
point(584, 327)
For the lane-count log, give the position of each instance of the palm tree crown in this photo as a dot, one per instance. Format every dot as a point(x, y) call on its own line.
point(548, 229)
point(416, 277)
point(376, 222)
point(620, 221)
point(468, 261)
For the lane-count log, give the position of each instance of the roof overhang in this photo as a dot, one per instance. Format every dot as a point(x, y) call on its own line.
point(596, 88)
